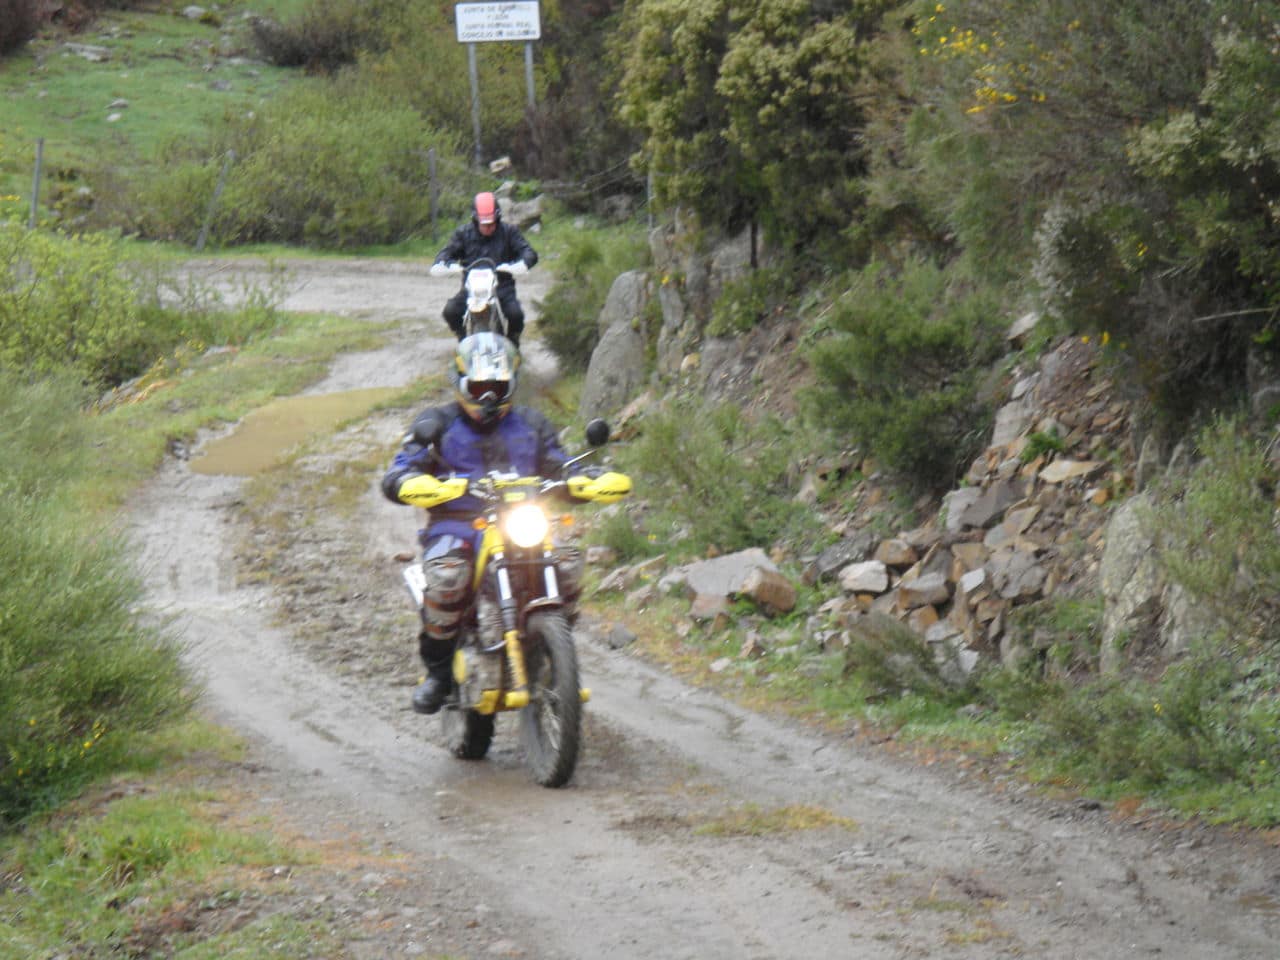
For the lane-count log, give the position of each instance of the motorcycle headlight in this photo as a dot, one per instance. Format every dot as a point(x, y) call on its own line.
point(527, 525)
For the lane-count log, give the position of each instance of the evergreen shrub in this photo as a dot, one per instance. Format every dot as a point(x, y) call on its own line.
point(899, 366)
point(80, 677)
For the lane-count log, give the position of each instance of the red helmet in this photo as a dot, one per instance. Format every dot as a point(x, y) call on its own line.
point(485, 208)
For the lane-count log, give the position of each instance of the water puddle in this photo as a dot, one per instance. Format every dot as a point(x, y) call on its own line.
point(265, 435)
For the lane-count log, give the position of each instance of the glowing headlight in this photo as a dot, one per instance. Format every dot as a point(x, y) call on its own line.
point(527, 525)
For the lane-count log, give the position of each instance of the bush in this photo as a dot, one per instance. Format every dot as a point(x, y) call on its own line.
point(18, 23)
point(719, 479)
point(751, 115)
point(900, 366)
point(748, 300)
point(567, 317)
point(1202, 737)
point(80, 677)
point(65, 303)
point(330, 167)
point(891, 660)
point(1216, 533)
point(325, 36)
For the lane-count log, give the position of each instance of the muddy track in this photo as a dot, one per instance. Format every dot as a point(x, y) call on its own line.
point(693, 828)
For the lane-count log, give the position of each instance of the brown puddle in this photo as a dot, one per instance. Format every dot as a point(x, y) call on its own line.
point(265, 435)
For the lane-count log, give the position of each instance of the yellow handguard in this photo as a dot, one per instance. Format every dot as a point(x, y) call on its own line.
point(607, 488)
point(426, 491)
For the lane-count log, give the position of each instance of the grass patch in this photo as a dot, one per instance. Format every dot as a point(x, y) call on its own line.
point(752, 820)
point(175, 76)
point(159, 864)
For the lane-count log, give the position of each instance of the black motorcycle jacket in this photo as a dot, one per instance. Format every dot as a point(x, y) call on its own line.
point(505, 245)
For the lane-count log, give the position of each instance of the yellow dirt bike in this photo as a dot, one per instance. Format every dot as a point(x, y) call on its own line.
point(516, 648)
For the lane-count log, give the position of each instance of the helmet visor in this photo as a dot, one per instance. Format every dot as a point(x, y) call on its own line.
point(487, 391)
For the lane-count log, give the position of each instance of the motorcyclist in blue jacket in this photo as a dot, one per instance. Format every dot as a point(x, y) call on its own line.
point(478, 432)
point(486, 236)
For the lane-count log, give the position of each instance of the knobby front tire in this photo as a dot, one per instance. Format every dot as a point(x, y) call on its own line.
point(551, 725)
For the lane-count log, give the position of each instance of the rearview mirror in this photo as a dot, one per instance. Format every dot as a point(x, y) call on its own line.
point(597, 432)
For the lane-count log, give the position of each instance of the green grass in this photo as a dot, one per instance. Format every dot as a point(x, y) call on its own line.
point(177, 75)
point(170, 863)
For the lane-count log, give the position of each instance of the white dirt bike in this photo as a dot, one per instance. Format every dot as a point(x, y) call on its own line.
point(483, 311)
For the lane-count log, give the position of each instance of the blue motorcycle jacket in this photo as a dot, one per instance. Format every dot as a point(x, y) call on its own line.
point(445, 442)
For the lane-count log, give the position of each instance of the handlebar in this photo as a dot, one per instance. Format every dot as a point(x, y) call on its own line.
point(492, 489)
point(515, 268)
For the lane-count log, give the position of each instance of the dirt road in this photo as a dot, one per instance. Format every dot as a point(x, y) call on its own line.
point(693, 829)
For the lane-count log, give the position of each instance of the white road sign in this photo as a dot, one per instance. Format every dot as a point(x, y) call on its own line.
point(480, 22)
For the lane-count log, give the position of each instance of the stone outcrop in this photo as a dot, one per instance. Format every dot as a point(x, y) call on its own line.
point(617, 370)
point(1045, 511)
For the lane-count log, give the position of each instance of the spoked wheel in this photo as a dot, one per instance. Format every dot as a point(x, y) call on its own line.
point(551, 725)
point(467, 734)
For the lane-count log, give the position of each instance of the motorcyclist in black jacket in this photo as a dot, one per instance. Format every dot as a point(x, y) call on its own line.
point(486, 236)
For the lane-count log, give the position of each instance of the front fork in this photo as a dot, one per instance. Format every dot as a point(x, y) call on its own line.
point(518, 696)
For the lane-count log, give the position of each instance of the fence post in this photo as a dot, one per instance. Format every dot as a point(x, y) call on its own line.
point(473, 70)
point(213, 201)
point(433, 190)
point(35, 183)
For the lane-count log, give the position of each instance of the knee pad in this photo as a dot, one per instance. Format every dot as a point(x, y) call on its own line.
point(445, 597)
point(570, 563)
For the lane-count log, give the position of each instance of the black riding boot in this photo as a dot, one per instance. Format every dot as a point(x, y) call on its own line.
point(429, 696)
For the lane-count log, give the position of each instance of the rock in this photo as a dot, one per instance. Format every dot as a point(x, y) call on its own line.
point(1132, 586)
point(955, 503)
point(1021, 328)
point(88, 51)
point(617, 369)
point(1061, 471)
point(833, 559)
point(753, 647)
point(870, 576)
point(1016, 575)
point(896, 553)
point(1011, 420)
point(990, 506)
point(769, 590)
point(708, 606)
point(725, 576)
point(926, 590)
point(618, 637)
point(601, 556)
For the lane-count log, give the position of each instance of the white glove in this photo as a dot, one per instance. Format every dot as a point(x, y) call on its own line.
point(444, 269)
point(516, 268)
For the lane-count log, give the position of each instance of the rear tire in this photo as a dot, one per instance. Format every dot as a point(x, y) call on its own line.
point(551, 725)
